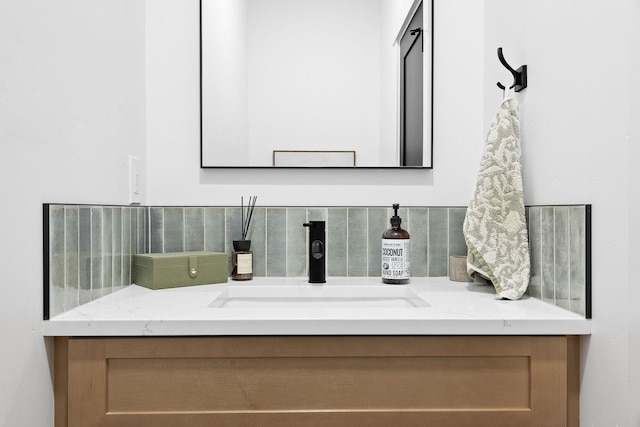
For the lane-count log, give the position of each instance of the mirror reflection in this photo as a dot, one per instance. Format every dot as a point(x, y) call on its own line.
point(314, 83)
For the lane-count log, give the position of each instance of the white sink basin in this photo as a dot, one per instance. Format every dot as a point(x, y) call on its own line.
point(317, 296)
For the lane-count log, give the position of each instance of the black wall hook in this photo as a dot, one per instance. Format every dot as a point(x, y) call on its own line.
point(519, 75)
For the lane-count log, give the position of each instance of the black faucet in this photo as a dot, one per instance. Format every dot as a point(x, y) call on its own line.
point(316, 251)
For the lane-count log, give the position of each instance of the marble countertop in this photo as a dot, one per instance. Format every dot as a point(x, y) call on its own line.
point(454, 309)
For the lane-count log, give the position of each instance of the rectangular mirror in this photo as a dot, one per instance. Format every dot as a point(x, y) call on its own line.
point(316, 77)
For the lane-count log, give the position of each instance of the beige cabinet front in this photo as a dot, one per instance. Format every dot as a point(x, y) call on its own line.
point(317, 381)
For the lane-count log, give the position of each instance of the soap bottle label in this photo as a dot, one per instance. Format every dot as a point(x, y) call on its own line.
point(395, 258)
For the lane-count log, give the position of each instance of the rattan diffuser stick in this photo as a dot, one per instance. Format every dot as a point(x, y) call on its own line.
point(246, 216)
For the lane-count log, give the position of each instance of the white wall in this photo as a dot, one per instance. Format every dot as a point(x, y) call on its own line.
point(576, 143)
point(173, 132)
point(633, 231)
point(71, 112)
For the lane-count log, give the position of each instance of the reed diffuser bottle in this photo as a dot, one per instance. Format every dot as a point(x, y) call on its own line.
point(242, 256)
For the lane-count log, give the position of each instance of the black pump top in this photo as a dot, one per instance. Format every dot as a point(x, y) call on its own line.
point(395, 219)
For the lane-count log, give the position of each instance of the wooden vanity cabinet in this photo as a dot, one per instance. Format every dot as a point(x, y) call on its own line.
point(318, 381)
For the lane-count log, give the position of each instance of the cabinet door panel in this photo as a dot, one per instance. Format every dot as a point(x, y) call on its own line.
point(316, 381)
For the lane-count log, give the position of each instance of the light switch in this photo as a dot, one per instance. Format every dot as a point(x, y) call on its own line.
point(135, 196)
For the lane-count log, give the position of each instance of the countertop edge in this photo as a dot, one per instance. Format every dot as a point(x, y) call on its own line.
point(318, 327)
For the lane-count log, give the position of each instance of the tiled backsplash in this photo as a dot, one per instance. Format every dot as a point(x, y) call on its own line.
point(89, 248)
point(89, 252)
point(279, 240)
point(560, 246)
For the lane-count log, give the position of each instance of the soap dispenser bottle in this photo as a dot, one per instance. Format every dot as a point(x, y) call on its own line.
point(395, 252)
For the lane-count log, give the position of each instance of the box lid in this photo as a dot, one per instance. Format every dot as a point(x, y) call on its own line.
point(170, 259)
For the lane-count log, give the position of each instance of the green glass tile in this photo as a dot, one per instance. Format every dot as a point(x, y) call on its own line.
point(258, 236)
point(194, 229)
point(71, 266)
point(56, 260)
point(84, 254)
point(233, 227)
point(317, 214)
point(137, 230)
point(97, 252)
point(547, 263)
point(378, 222)
point(561, 251)
point(336, 242)
point(577, 258)
point(577, 306)
point(107, 251)
point(56, 230)
point(276, 242)
point(357, 232)
point(126, 245)
point(418, 220)
point(457, 245)
point(173, 229)
point(215, 236)
point(535, 248)
point(116, 249)
point(564, 303)
point(296, 242)
point(144, 230)
point(156, 230)
point(438, 251)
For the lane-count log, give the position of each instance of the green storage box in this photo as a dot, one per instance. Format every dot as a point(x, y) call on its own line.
point(177, 269)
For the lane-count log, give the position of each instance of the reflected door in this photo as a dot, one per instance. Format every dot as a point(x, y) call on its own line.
point(411, 72)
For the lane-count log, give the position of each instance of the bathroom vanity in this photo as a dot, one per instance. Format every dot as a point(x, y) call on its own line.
point(291, 354)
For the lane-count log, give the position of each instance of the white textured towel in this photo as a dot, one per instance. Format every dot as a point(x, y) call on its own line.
point(495, 227)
